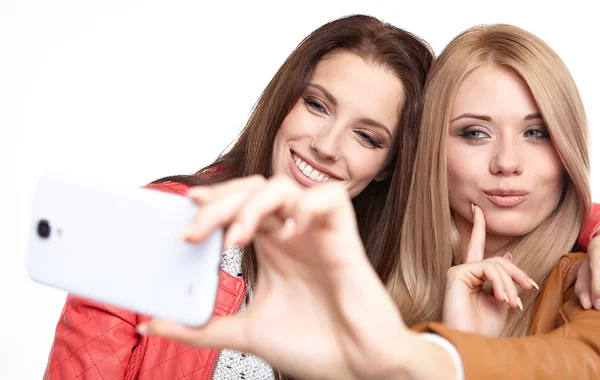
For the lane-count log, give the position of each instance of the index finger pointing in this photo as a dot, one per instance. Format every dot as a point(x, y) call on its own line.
point(476, 249)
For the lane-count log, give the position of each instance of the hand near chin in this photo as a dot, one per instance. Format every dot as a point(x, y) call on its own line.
point(467, 306)
point(318, 310)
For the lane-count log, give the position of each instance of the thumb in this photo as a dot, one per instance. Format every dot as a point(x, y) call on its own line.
point(219, 332)
point(476, 248)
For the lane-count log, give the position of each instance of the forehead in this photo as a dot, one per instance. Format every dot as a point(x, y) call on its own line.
point(495, 91)
point(363, 86)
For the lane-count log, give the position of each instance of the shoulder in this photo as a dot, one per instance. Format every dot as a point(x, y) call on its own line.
point(567, 268)
point(557, 292)
point(591, 226)
point(563, 275)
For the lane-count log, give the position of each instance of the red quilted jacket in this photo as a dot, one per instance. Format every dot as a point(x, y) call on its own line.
point(99, 341)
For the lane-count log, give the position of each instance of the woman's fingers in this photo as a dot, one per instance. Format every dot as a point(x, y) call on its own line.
point(489, 271)
point(220, 332)
point(277, 197)
point(216, 214)
point(583, 285)
point(516, 274)
point(298, 208)
point(209, 193)
point(501, 273)
point(476, 248)
point(327, 204)
point(228, 202)
point(511, 294)
point(594, 264)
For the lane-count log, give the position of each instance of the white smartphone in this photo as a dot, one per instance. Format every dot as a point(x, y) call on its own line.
point(121, 246)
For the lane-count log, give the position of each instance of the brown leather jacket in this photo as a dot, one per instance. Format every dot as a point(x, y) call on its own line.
point(563, 340)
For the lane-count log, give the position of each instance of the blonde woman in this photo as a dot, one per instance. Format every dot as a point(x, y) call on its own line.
point(530, 146)
point(503, 150)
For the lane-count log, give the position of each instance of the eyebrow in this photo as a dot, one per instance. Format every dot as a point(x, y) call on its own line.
point(367, 121)
point(377, 125)
point(327, 94)
point(531, 116)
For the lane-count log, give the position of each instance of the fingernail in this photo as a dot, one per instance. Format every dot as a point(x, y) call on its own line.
point(233, 233)
point(506, 298)
point(585, 301)
point(473, 208)
point(288, 229)
point(597, 304)
point(520, 303)
point(508, 256)
point(143, 329)
point(535, 285)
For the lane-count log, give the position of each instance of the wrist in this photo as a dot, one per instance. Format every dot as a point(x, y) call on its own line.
point(420, 359)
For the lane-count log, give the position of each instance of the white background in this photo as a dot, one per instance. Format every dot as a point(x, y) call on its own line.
point(129, 91)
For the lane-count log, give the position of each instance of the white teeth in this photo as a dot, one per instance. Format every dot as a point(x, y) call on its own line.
point(308, 170)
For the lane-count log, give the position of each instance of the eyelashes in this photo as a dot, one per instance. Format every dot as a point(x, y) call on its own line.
point(315, 105)
point(538, 134)
point(367, 138)
point(476, 133)
point(472, 134)
point(374, 142)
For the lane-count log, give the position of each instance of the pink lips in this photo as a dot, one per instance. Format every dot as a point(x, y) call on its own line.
point(300, 177)
point(507, 197)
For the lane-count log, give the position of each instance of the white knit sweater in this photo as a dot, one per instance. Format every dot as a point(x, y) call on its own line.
point(234, 365)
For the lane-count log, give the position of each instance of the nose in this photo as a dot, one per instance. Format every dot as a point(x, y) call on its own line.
point(326, 144)
point(507, 159)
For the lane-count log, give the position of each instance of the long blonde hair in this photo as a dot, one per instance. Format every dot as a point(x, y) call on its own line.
point(429, 237)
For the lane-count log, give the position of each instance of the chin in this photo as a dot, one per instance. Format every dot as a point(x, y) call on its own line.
point(510, 227)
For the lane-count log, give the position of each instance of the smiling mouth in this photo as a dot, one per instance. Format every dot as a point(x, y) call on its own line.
point(308, 170)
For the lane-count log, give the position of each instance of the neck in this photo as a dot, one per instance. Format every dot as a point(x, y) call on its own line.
point(493, 242)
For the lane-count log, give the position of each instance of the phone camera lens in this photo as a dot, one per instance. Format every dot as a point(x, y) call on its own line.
point(43, 229)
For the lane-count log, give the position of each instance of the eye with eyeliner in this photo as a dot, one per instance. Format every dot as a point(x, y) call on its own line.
point(473, 133)
point(315, 105)
point(374, 142)
point(537, 133)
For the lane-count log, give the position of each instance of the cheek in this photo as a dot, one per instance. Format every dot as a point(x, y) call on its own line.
point(363, 166)
point(299, 122)
point(462, 169)
point(550, 175)
point(292, 128)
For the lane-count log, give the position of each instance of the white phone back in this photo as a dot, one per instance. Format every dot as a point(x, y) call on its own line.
point(121, 246)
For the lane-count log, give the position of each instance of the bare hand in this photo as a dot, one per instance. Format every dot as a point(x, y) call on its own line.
point(318, 310)
point(467, 307)
point(587, 286)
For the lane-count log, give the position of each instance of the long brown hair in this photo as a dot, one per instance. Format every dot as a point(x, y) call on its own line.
point(429, 236)
point(407, 56)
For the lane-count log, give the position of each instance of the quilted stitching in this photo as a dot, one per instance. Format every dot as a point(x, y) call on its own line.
point(98, 341)
point(92, 341)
